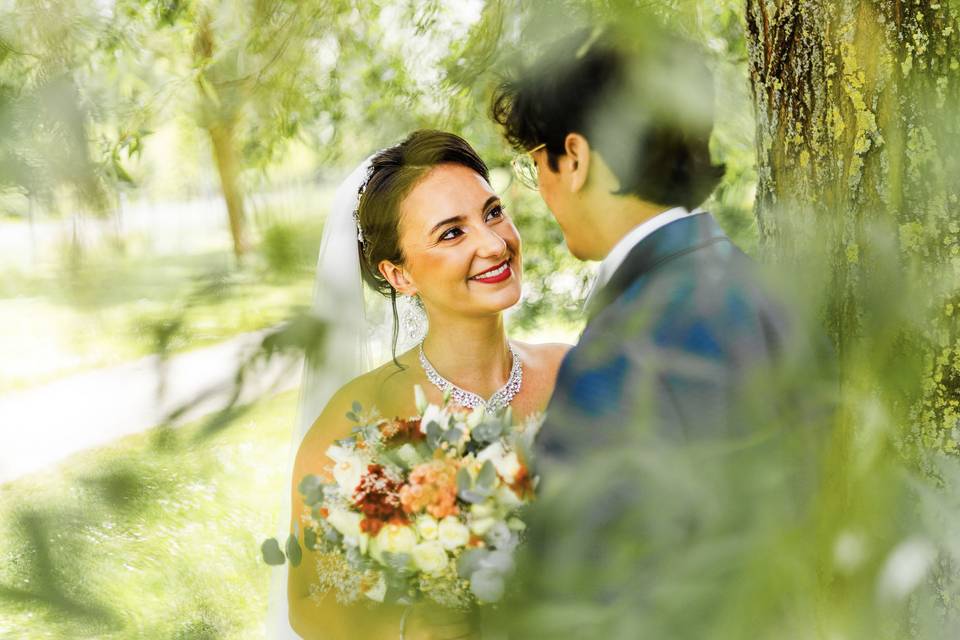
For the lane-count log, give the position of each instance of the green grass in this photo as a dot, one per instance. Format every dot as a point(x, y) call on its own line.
point(155, 536)
point(112, 308)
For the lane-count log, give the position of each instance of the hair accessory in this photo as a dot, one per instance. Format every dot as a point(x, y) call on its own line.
point(356, 210)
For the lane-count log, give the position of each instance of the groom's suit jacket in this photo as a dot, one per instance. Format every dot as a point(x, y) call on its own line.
point(671, 338)
point(667, 445)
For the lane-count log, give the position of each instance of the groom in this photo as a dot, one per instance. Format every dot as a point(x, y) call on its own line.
point(681, 357)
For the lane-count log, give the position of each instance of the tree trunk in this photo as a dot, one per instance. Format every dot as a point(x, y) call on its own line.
point(218, 115)
point(228, 166)
point(857, 146)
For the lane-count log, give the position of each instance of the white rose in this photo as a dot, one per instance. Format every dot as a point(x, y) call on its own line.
point(506, 463)
point(348, 468)
point(396, 538)
point(452, 533)
point(427, 527)
point(347, 523)
point(430, 557)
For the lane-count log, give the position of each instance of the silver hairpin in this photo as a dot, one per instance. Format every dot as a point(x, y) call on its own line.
point(356, 211)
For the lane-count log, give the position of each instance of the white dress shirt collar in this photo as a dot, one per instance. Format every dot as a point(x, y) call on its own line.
point(610, 264)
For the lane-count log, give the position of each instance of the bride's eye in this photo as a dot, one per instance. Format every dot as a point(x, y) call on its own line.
point(494, 213)
point(451, 233)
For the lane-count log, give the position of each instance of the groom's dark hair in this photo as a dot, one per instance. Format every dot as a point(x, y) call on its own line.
point(644, 101)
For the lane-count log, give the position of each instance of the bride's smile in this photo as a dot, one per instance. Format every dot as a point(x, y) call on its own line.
point(495, 274)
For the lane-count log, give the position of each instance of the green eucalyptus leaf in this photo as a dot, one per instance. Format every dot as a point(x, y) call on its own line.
point(357, 407)
point(371, 433)
point(464, 481)
point(487, 431)
point(271, 552)
point(487, 478)
point(311, 488)
point(453, 435)
point(434, 434)
point(470, 560)
point(474, 496)
point(398, 562)
point(310, 539)
point(293, 551)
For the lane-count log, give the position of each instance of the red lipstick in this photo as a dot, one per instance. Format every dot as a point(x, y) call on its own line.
point(498, 273)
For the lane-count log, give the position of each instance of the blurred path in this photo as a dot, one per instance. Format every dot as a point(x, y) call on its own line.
point(42, 425)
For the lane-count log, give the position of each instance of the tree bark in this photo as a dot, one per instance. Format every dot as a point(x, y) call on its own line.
point(228, 167)
point(857, 147)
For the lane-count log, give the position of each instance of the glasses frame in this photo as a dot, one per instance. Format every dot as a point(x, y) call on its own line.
point(525, 167)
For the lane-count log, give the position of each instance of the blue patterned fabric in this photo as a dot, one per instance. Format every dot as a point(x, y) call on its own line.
point(682, 427)
point(671, 339)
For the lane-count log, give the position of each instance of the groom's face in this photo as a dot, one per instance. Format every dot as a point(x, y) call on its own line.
point(554, 188)
point(461, 250)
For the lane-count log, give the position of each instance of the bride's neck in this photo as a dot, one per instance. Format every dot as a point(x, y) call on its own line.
point(472, 353)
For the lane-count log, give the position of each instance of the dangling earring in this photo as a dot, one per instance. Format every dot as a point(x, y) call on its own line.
point(413, 321)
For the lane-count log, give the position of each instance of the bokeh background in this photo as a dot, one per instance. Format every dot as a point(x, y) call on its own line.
point(165, 172)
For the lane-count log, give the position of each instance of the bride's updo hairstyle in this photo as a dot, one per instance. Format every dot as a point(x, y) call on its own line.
point(394, 172)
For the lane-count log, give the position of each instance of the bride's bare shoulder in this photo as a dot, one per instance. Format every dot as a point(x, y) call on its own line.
point(373, 391)
point(545, 357)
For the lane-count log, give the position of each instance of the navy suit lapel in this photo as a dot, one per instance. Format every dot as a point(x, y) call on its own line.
point(666, 243)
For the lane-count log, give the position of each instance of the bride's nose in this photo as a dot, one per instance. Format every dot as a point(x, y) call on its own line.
point(492, 245)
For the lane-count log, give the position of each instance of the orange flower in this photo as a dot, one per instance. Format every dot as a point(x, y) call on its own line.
point(432, 487)
point(399, 431)
point(522, 484)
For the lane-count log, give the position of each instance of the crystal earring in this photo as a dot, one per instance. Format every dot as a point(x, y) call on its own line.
point(413, 321)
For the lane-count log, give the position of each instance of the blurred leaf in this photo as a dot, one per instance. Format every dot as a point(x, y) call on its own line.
point(271, 552)
point(294, 554)
point(464, 481)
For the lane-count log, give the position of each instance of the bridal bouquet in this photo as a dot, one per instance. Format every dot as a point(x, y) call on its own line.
point(425, 507)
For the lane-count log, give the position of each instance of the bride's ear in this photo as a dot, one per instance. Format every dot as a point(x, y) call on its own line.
point(398, 277)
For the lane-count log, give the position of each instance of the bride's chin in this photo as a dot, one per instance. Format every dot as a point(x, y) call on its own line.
point(506, 299)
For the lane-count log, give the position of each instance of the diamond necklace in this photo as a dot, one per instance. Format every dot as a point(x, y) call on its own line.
point(500, 398)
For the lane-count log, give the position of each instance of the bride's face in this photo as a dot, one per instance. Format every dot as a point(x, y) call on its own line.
point(461, 250)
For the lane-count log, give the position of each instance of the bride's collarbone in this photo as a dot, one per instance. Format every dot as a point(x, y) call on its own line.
point(390, 389)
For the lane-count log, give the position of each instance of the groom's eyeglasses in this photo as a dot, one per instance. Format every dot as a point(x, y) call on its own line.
point(525, 168)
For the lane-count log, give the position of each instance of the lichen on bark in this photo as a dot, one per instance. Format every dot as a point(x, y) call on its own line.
point(857, 142)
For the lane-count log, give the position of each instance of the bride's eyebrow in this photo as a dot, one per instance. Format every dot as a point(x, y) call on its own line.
point(446, 221)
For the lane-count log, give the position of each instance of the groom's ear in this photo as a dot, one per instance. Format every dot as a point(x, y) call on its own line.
point(576, 161)
point(398, 277)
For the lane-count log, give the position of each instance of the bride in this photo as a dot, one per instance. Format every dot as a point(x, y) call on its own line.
point(427, 227)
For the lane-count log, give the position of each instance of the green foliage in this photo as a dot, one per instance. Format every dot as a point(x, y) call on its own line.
point(286, 250)
point(138, 541)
